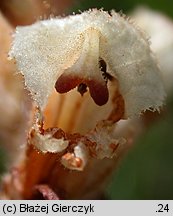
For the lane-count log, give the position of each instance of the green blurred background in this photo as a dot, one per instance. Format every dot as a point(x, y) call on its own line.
point(125, 6)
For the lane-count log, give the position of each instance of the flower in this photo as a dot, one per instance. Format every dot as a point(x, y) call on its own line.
point(96, 51)
point(89, 50)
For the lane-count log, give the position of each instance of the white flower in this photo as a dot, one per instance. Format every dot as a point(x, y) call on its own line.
point(89, 50)
point(160, 29)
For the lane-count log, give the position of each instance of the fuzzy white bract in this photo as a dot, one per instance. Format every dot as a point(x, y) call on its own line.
point(65, 52)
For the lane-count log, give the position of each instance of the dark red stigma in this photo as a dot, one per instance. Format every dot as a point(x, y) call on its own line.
point(98, 89)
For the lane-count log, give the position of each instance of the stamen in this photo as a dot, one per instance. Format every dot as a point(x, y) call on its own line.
point(103, 68)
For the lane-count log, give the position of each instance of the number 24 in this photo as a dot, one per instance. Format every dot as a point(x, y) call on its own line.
point(163, 208)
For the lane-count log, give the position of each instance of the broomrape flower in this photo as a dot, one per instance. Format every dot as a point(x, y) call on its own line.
point(89, 50)
point(105, 64)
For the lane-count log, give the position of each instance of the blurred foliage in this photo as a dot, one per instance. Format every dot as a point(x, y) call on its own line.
point(125, 6)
